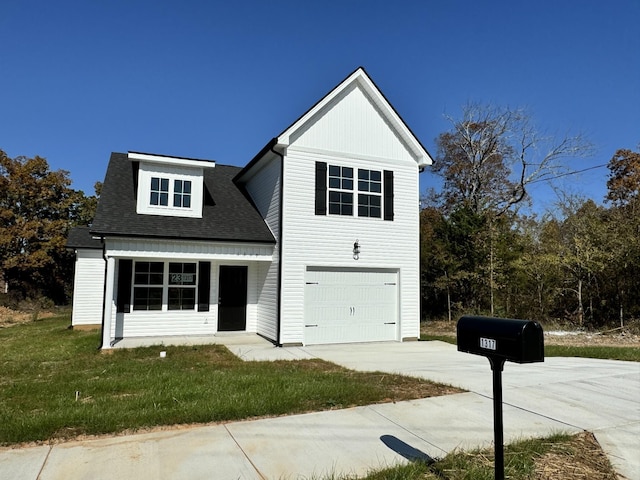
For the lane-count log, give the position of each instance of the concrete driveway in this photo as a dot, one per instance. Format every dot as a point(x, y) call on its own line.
point(601, 396)
point(562, 394)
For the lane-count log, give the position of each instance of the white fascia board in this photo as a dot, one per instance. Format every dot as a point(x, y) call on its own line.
point(187, 162)
point(421, 155)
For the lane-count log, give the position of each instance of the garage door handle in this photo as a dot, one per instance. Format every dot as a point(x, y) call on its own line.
point(311, 325)
point(389, 323)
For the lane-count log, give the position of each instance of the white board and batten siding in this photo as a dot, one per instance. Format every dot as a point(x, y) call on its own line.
point(311, 242)
point(88, 288)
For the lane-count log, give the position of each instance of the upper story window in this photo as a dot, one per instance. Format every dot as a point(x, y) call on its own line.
point(159, 191)
point(171, 189)
point(340, 190)
point(369, 193)
point(182, 193)
point(335, 190)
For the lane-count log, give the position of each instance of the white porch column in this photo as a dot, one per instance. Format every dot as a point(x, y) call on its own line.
point(108, 303)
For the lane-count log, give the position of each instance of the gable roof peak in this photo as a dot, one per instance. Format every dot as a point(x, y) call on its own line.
point(360, 77)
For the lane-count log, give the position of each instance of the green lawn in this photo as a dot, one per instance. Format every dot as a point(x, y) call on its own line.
point(55, 383)
point(631, 354)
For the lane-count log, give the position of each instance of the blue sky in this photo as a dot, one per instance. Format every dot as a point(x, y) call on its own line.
point(219, 79)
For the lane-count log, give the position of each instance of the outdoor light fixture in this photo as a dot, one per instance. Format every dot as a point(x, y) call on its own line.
point(356, 250)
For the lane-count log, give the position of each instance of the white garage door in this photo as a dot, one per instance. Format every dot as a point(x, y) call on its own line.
point(350, 306)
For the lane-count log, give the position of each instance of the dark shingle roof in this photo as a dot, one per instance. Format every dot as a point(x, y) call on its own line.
point(80, 237)
point(227, 215)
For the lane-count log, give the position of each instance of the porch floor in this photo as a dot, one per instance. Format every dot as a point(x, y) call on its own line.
point(221, 338)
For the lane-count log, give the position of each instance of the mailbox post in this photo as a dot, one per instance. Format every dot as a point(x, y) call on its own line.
point(500, 340)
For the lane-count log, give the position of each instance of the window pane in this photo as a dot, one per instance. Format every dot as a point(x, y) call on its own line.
point(376, 188)
point(182, 298)
point(176, 199)
point(347, 172)
point(145, 298)
point(334, 208)
point(164, 184)
point(186, 201)
point(375, 212)
point(363, 174)
point(156, 267)
point(375, 175)
point(334, 183)
point(186, 186)
point(154, 198)
point(363, 186)
point(164, 199)
point(347, 184)
point(155, 183)
point(347, 210)
point(334, 171)
point(177, 186)
point(182, 274)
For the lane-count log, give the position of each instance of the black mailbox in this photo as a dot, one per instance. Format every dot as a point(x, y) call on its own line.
point(519, 341)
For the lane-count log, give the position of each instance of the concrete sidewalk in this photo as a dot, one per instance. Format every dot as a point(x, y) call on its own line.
point(562, 394)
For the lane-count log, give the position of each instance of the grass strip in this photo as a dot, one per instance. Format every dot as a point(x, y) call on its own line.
point(55, 383)
point(575, 457)
point(630, 354)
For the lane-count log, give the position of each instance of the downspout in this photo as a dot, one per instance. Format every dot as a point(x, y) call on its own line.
point(280, 234)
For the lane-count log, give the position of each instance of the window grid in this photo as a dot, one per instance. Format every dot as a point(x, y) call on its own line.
point(159, 191)
point(182, 193)
point(370, 203)
point(340, 190)
point(150, 283)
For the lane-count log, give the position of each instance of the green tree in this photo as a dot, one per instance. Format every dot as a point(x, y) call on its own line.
point(624, 232)
point(37, 208)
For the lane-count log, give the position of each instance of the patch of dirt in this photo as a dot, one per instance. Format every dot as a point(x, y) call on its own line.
point(9, 318)
point(581, 459)
point(574, 338)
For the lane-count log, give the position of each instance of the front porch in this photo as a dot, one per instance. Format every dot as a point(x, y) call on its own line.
point(220, 338)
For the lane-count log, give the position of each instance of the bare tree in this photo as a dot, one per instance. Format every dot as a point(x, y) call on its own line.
point(492, 154)
point(490, 157)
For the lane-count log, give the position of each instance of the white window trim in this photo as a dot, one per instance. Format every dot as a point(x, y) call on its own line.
point(165, 287)
point(194, 175)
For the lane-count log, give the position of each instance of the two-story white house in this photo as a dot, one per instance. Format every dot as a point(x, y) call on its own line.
point(314, 241)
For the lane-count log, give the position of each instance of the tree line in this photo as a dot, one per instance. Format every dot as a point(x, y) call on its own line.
point(38, 207)
point(480, 254)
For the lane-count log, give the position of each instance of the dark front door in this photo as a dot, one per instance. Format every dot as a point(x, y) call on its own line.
point(232, 298)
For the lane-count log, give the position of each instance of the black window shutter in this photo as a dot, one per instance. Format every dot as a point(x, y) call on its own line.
point(204, 284)
point(321, 188)
point(388, 195)
point(123, 299)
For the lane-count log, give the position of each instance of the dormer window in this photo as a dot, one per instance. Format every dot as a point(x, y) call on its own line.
point(170, 186)
point(159, 191)
point(182, 193)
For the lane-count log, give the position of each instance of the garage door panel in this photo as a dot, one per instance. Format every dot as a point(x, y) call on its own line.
point(350, 306)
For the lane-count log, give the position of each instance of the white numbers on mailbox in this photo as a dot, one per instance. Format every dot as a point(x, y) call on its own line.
point(488, 343)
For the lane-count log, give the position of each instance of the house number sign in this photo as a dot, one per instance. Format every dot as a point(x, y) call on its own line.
point(177, 278)
point(488, 343)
